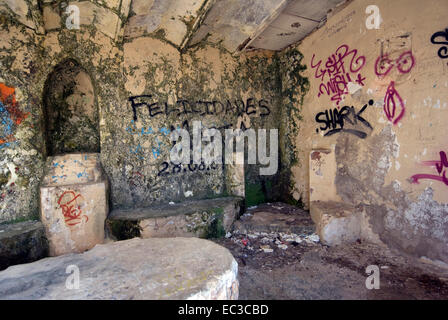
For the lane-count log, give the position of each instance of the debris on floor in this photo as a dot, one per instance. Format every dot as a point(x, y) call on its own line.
point(275, 218)
point(288, 265)
point(280, 240)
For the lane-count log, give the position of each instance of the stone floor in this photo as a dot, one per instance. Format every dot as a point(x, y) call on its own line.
point(276, 264)
point(278, 254)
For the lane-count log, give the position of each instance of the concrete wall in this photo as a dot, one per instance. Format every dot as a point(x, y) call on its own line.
point(28, 56)
point(21, 141)
point(372, 126)
point(387, 89)
point(204, 83)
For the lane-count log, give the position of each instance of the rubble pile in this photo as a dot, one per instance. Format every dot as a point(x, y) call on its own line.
point(266, 242)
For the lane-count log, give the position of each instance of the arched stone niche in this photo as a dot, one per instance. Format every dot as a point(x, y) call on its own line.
point(71, 113)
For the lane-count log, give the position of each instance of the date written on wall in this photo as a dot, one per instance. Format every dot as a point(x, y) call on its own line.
point(175, 169)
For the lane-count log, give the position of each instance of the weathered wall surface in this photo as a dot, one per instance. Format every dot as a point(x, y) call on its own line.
point(21, 141)
point(116, 69)
point(378, 100)
point(170, 90)
point(29, 55)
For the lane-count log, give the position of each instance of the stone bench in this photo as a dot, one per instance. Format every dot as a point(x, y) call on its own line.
point(177, 268)
point(22, 242)
point(210, 218)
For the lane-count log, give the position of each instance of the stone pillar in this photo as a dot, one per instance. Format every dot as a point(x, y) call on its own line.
point(74, 203)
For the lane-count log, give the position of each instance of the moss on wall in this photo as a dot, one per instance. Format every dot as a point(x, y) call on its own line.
point(21, 140)
point(216, 228)
point(254, 195)
point(135, 153)
point(294, 86)
point(70, 112)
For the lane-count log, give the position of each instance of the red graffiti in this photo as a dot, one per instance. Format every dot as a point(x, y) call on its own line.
point(440, 167)
point(10, 115)
point(70, 209)
point(404, 64)
point(8, 98)
point(339, 72)
point(393, 104)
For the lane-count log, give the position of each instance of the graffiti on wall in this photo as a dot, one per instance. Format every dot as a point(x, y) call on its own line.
point(158, 146)
point(394, 107)
point(441, 38)
point(10, 115)
point(339, 70)
point(71, 209)
point(440, 165)
point(138, 150)
point(202, 108)
point(393, 104)
point(155, 149)
point(175, 169)
point(335, 121)
point(242, 109)
point(404, 64)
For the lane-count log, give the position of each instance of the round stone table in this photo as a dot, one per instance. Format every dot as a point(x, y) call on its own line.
point(156, 268)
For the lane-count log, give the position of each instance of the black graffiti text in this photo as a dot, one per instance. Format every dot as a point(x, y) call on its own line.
point(335, 121)
point(174, 169)
point(183, 107)
point(443, 51)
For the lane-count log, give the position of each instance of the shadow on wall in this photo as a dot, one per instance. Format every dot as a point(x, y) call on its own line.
point(70, 111)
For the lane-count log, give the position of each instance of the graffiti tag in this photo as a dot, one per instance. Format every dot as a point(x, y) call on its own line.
point(394, 107)
point(335, 121)
point(440, 166)
point(404, 64)
point(393, 104)
point(337, 72)
point(71, 210)
point(443, 51)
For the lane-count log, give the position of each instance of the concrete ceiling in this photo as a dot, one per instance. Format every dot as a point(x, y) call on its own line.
point(233, 22)
point(267, 24)
point(298, 19)
point(237, 24)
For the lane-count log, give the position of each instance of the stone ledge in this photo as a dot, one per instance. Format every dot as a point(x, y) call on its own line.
point(336, 222)
point(22, 243)
point(210, 218)
point(137, 269)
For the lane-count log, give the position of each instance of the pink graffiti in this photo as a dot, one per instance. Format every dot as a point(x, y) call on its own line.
point(404, 64)
point(440, 167)
point(393, 104)
point(338, 72)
